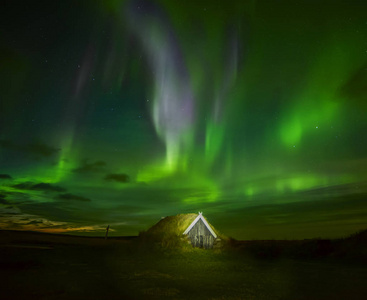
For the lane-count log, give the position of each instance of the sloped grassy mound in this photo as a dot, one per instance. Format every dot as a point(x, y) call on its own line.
point(173, 224)
point(168, 232)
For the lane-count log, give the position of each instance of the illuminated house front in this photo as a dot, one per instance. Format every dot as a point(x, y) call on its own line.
point(200, 233)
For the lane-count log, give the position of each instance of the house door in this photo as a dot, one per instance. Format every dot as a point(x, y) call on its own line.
point(201, 239)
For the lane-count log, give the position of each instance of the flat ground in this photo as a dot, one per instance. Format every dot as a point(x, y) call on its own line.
point(36, 266)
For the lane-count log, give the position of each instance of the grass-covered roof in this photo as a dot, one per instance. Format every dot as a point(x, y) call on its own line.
point(174, 225)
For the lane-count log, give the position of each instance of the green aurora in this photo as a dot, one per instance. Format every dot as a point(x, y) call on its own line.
point(122, 112)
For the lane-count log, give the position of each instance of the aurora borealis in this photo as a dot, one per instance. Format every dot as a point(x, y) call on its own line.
point(121, 112)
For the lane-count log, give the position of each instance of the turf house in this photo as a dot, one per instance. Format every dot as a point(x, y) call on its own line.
point(193, 229)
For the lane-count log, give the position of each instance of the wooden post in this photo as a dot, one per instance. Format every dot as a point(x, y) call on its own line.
point(108, 227)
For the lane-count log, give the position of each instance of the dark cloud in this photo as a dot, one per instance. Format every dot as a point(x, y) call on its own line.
point(356, 87)
point(128, 210)
point(9, 145)
point(35, 222)
point(5, 176)
point(332, 217)
point(16, 197)
point(346, 208)
point(124, 178)
point(336, 190)
point(52, 211)
point(3, 201)
point(47, 187)
point(36, 148)
point(71, 197)
point(23, 186)
point(9, 210)
point(40, 149)
point(86, 167)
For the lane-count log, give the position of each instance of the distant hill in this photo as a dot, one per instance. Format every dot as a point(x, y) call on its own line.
point(358, 237)
point(33, 238)
point(352, 247)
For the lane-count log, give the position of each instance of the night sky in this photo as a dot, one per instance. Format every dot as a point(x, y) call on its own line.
point(121, 112)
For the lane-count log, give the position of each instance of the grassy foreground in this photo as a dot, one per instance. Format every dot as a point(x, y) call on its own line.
point(43, 266)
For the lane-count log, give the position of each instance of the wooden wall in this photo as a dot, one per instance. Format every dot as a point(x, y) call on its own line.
point(200, 236)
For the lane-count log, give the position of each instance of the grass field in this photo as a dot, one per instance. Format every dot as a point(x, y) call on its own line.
point(43, 266)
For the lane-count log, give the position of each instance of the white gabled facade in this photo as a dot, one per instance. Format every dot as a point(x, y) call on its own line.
point(200, 217)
